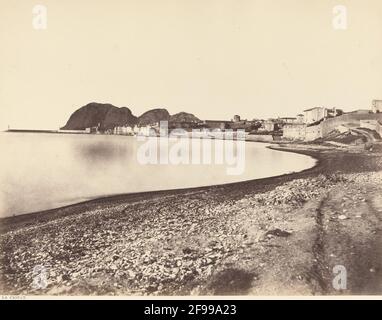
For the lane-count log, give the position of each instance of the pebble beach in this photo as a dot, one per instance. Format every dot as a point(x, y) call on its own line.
point(272, 236)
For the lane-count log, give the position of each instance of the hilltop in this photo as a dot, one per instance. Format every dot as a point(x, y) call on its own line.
point(108, 116)
point(184, 117)
point(153, 116)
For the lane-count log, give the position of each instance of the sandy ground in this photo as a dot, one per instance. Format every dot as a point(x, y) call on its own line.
point(275, 236)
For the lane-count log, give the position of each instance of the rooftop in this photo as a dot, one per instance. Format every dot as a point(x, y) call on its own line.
point(314, 108)
point(220, 121)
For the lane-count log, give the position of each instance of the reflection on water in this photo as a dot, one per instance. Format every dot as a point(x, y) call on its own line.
point(43, 171)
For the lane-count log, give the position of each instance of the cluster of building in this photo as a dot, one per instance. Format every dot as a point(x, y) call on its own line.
point(131, 131)
point(305, 128)
point(256, 125)
point(123, 130)
point(309, 125)
point(319, 121)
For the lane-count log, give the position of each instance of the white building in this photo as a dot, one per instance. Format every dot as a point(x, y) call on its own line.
point(124, 130)
point(314, 114)
point(295, 131)
point(146, 131)
point(376, 106)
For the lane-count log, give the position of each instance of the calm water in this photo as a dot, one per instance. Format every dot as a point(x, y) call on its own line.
point(44, 171)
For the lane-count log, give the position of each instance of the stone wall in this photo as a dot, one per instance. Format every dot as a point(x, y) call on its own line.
point(310, 133)
point(329, 125)
point(294, 132)
point(313, 132)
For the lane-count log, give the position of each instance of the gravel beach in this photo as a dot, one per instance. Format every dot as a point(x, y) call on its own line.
point(274, 236)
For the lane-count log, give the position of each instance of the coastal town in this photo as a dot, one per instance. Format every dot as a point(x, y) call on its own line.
point(312, 124)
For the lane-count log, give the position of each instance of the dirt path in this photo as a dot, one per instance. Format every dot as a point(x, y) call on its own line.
point(351, 237)
point(340, 231)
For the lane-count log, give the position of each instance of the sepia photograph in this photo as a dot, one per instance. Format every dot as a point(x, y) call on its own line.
point(187, 148)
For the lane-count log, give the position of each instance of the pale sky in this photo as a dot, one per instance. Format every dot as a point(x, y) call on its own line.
point(213, 58)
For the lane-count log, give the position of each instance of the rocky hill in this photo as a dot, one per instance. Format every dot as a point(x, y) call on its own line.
point(153, 116)
point(106, 115)
point(184, 117)
point(109, 116)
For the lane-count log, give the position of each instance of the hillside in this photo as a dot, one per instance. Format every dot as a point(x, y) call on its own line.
point(184, 117)
point(104, 114)
point(153, 116)
point(108, 116)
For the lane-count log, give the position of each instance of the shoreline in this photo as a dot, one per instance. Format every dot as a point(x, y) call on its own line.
point(273, 236)
point(13, 221)
point(97, 198)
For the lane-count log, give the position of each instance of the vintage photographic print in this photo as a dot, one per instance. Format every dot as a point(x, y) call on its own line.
point(190, 148)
